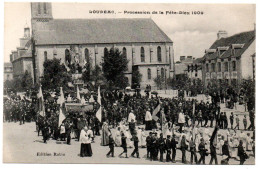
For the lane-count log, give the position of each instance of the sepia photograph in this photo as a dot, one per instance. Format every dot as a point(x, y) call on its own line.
point(129, 83)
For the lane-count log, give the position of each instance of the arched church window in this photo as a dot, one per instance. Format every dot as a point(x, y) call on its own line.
point(159, 54)
point(87, 55)
point(45, 56)
point(149, 75)
point(124, 52)
point(45, 8)
point(162, 72)
point(39, 8)
point(67, 57)
point(105, 52)
point(142, 54)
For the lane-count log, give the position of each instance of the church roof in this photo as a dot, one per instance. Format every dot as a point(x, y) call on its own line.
point(245, 38)
point(94, 31)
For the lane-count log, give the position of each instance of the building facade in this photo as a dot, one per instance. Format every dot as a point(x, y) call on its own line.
point(8, 71)
point(182, 65)
point(230, 59)
point(82, 41)
point(21, 58)
point(194, 69)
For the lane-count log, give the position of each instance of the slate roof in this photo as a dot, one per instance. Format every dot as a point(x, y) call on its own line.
point(245, 38)
point(94, 31)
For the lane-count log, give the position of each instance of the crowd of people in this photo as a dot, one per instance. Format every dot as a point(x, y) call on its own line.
point(17, 109)
point(129, 121)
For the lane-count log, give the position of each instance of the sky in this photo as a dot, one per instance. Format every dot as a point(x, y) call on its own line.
point(191, 34)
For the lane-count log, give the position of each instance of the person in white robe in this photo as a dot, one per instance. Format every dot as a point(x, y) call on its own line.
point(85, 140)
point(248, 142)
point(105, 134)
point(139, 134)
point(131, 117)
point(91, 100)
point(128, 139)
point(118, 137)
point(148, 120)
point(69, 99)
point(143, 138)
point(83, 101)
point(165, 129)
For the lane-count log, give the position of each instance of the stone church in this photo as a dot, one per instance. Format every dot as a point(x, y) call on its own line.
point(80, 41)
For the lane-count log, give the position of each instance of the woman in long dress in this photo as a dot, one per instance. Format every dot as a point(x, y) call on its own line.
point(143, 138)
point(118, 137)
point(105, 134)
point(128, 138)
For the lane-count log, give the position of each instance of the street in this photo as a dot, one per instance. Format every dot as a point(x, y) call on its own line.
point(21, 145)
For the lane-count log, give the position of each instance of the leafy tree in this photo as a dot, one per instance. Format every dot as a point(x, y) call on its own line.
point(26, 81)
point(180, 82)
point(159, 81)
point(55, 75)
point(136, 77)
point(20, 83)
point(247, 89)
point(114, 65)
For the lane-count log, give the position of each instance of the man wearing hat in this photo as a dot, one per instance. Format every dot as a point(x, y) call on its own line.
point(135, 140)
point(168, 148)
point(173, 146)
point(111, 145)
point(161, 145)
point(148, 145)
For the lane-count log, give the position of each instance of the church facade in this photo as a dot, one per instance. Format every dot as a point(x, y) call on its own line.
point(82, 41)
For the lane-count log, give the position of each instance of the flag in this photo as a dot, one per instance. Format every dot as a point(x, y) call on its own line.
point(155, 112)
point(78, 95)
point(99, 112)
point(99, 96)
point(193, 110)
point(193, 113)
point(62, 109)
point(41, 103)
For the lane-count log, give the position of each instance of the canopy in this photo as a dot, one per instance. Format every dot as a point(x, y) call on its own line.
point(79, 107)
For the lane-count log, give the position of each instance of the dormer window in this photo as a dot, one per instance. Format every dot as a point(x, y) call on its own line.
point(222, 49)
point(236, 46)
point(210, 51)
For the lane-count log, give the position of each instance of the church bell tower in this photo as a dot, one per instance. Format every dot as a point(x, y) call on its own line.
point(41, 11)
point(41, 16)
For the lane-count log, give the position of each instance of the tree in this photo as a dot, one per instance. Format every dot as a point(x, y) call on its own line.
point(55, 75)
point(247, 89)
point(159, 81)
point(114, 66)
point(20, 83)
point(180, 82)
point(26, 81)
point(136, 77)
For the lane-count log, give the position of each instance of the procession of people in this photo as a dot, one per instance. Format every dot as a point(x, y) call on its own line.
point(164, 127)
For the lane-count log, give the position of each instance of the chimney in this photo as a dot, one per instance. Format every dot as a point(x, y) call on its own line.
point(182, 58)
point(222, 34)
point(189, 57)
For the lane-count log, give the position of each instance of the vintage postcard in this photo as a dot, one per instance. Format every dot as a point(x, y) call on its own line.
point(136, 83)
